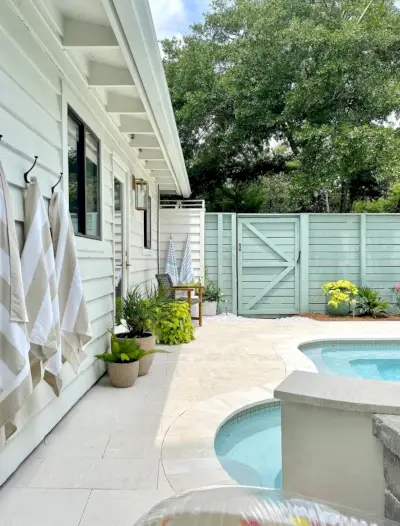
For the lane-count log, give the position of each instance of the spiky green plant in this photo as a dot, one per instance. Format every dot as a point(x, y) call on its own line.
point(125, 350)
point(370, 303)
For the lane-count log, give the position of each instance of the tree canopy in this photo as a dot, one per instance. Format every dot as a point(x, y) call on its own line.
point(289, 97)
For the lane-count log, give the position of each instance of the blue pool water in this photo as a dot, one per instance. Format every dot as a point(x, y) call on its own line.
point(249, 446)
point(371, 360)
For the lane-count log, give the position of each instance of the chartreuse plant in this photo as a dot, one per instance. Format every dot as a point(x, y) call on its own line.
point(340, 291)
point(173, 325)
point(125, 350)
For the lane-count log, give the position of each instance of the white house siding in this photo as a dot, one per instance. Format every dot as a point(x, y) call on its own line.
point(179, 223)
point(143, 261)
point(34, 94)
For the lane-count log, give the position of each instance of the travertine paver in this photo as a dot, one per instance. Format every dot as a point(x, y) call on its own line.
point(119, 451)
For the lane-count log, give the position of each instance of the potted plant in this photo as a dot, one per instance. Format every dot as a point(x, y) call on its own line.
point(212, 295)
point(138, 313)
point(340, 294)
point(123, 361)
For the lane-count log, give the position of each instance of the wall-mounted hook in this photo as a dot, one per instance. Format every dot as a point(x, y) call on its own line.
point(1, 137)
point(30, 169)
point(53, 187)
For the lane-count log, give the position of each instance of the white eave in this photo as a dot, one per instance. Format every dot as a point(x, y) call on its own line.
point(114, 46)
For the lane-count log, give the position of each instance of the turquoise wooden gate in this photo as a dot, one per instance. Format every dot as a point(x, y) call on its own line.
point(268, 265)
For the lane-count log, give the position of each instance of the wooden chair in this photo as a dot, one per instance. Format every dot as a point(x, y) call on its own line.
point(164, 280)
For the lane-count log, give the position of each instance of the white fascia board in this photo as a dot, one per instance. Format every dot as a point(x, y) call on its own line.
point(133, 25)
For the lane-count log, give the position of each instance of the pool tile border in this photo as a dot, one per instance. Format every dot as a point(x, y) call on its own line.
point(351, 342)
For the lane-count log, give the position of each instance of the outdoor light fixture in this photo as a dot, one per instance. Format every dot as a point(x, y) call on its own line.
point(141, 189)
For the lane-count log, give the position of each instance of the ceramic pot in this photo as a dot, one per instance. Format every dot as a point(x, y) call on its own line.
point(147, 343)
point(123, 374)
point(145, 363)
point(210, 308)
point(342, 310)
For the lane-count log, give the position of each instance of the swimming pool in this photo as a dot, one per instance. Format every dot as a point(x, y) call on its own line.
point(249, 444)
point(370, 359)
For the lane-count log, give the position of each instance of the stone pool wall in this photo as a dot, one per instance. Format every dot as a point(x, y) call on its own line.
point(387, 429)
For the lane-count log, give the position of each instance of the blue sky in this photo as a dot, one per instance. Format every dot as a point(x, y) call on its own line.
point(173, 17)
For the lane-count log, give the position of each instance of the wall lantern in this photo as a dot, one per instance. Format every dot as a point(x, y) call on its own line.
point(141, 189)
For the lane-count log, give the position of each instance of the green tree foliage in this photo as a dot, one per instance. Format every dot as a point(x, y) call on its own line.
point(391, 204)
point(289, 92)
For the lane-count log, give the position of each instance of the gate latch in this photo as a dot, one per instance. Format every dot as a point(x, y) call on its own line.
point(299, 256)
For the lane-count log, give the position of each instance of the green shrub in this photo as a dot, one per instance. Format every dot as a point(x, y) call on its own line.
point(118, 310)
point(173, 324)
point(124, 350)
point(212, 292)
point(139, 310)
point(370, 303)
point(340, 291)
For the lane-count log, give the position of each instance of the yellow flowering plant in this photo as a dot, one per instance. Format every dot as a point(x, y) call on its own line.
point(340, 291)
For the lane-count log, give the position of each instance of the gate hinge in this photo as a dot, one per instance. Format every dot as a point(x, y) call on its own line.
point(240, 247)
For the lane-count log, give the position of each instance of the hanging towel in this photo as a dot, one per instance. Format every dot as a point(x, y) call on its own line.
point(187, 274)
point(170, 265)
point(74, 318)
point(15, 378)
point(40, 286)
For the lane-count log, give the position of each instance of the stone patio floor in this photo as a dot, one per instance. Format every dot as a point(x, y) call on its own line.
point(120, 451)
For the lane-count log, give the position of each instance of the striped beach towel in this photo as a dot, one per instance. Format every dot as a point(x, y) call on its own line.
point(15, 378)
point(187, 275)
point(40, 286)
point(74, 318)
point(170, 264)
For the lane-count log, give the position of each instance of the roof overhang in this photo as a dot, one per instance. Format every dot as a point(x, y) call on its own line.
point(113, 45)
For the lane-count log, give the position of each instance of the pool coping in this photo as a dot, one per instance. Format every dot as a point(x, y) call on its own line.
point(188, 457)
point(198, 426)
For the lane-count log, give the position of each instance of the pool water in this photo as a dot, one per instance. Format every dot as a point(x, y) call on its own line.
point(370, 360)
point(249, 446)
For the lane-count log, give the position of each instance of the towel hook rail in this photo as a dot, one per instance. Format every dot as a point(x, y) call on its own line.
point(30, 169)
point(54, 187)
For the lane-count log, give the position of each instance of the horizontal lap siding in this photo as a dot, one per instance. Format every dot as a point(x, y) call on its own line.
point(143, 262)
point(227, 281)
point(180, 223)
point(31, 124)
point(334, 253)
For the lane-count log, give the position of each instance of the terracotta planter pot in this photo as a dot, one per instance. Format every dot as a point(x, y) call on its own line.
point(147, 344)
point(123, 374)
point(210, 308)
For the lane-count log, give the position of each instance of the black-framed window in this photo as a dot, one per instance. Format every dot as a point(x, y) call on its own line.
point(147, 225)
point(84, 177)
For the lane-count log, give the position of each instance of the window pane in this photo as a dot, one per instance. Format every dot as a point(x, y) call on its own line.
point(149, 223)
point(73, 140)
point(92, 185)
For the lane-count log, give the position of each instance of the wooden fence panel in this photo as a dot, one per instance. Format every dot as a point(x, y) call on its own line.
point(220, 256)
point(363, 248)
